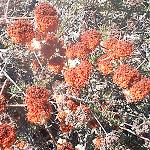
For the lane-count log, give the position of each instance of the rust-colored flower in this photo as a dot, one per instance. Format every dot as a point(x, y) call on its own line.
point(39, 113)
point(104, 64)
point(118, 48)
point(78, 77)
point(51, 39)
point(77, 50)
point(91, 38)
point(39, 36)
point(61, 116)
point(139, 90)
point(2, 103)
point(35, 94)
point(7, 135)
point(44, 9)
point(47, 24)
point(56, 64)
point(125, 76)
point(21, 31)
point(39, 110)
point(72, 105)
point(47, 51)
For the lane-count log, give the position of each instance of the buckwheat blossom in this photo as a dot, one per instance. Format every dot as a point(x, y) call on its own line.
point(51, 39)
point(48, 24)
point(117, 49)
point(46, 17)
point(7, 136)
point(78, 77)
point(39, 113)
point(104, 64)
point(44, 9)
point(35, 93)
point(47, 51)
point(125, 76)
point(56, 64)
point(91, 38)
point(77, 50)
point(139, 90)
point(21, 31)
point(39, 110)
point(2, 103)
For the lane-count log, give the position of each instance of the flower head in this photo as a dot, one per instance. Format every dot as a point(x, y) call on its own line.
point(56, 64)
point(44, 9)
point(39, 113)
point(104, 64)
point(117, 49)
point(91, 38)
point(21, 31)
point(51, 39)
point(48, 24)
point(78, 50)
point(39, 110)
point(35, 94)
point(125, 76)
point(139, 90)
point(78, 77)
point(47, 51)
point(7, 135)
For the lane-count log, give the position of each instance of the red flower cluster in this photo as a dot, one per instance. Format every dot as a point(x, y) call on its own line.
point(77, 50)
point(46, 17)
point(21, 31)
point(125, 76)
point(44, 9)
point(7, 136)
point(2, 103)
point(47, 51)
point(104, 64)
point(49, 48)
point(56, 64)
point(91, 38)
point(77, 77)
point(118, 48)
point(140, 89)
point(37, 105)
